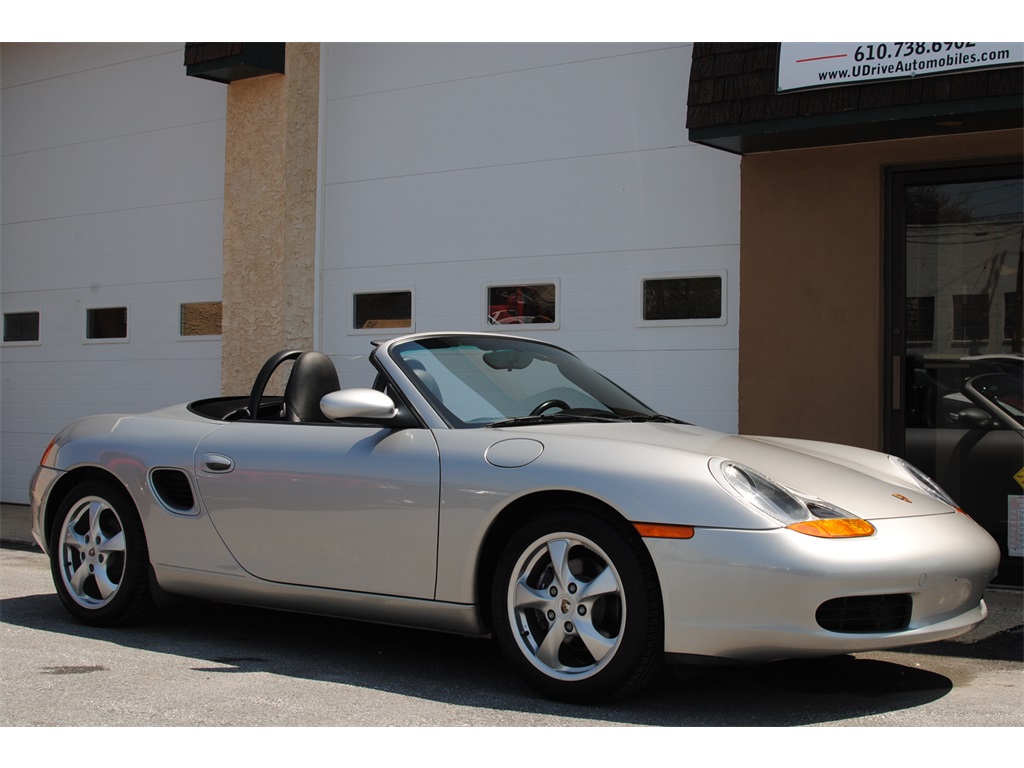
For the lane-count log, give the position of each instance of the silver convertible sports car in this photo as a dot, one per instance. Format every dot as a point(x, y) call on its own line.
point(491, 484)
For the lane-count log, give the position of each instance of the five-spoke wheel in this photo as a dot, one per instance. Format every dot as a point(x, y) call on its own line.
point(576, 607)
point(99, 557)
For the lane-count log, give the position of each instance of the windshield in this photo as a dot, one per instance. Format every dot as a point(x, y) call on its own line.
point(478, 381)
point(1004, 391)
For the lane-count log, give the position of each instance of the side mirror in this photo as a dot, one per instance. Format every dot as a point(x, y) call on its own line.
point(358, 404)
point(973, 418)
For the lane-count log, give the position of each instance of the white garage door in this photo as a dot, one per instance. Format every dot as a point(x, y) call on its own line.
point(475, 187)
point(113, 179)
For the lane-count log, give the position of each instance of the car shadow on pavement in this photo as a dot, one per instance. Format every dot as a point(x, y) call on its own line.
point(1007, 645)
point(468, 672)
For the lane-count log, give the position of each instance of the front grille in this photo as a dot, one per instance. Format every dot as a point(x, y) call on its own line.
point(865, 614)
point(173, 489)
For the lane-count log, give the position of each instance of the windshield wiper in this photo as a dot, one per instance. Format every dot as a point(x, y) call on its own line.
point(560, 416)
point(656, 417)
point(566, 417)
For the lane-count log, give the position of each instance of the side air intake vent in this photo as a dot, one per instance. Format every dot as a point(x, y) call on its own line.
point(865, 614)
point(173, 490)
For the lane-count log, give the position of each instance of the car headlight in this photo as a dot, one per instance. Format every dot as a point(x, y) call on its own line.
point(796, 512)
point(922, 481)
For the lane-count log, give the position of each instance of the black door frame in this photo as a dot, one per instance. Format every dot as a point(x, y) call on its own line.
point(897, 179)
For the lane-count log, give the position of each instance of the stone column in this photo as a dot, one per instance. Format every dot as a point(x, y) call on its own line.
point(270, 186)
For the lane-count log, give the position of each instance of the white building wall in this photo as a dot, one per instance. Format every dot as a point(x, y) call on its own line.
point(448, 166)
point(112, 180)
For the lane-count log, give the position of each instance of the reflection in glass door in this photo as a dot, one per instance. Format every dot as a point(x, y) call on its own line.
point(956, 406)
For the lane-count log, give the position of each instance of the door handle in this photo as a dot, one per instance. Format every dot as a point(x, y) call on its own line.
point(897, 382)
point(217, 463)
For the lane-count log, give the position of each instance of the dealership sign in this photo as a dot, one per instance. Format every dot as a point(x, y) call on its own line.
point(818, 65)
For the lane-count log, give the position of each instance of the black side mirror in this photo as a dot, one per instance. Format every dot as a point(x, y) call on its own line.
point(974, 418)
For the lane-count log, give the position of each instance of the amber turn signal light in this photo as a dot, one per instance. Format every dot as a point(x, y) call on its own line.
point(834, 528)
point(662, 531)
point(45, 458)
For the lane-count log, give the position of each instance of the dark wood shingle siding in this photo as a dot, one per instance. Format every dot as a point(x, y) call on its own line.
point(733, 89)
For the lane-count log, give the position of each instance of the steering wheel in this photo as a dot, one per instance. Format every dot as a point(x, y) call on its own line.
point(548, 404)
point(263, 378)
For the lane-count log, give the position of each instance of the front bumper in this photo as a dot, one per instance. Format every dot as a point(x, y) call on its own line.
point(754, 595)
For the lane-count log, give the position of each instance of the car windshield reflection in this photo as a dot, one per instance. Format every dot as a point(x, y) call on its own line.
point(1002, 391)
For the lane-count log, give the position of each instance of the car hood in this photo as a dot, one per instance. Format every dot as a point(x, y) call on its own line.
point(864, 482)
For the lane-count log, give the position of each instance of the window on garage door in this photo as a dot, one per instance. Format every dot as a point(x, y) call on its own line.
point(384, 309)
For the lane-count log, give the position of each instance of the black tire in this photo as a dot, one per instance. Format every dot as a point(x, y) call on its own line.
point(98, 556)
point(576, 606)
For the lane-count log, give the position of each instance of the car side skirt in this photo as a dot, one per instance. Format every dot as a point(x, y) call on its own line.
point(455, 618)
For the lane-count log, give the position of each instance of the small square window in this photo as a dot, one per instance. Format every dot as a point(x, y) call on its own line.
point(522, 304)
point(1013, 328)
point(21, 326)
point(970, 319)
point(920, 321)
point(201, 318)
point(683, 300)
point(391, 309)
point(106, 323)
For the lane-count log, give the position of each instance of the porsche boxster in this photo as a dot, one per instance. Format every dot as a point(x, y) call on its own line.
point(490, 484)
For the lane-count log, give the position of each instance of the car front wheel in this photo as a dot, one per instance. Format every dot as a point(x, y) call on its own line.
point(98, 556)
point(576, 606)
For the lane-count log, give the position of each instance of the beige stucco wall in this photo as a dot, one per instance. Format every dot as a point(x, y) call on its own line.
point(811, 285)
point(270, 215)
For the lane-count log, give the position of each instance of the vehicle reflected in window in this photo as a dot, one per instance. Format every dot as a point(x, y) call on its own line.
point(529, 304)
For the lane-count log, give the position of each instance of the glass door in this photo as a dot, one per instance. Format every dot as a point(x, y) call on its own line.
point(956, 400)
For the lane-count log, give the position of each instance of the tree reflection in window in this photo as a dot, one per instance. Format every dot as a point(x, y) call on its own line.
point(683, 298)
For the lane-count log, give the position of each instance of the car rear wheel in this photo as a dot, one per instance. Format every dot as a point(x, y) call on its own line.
point(98, 556)
point(577, 608)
